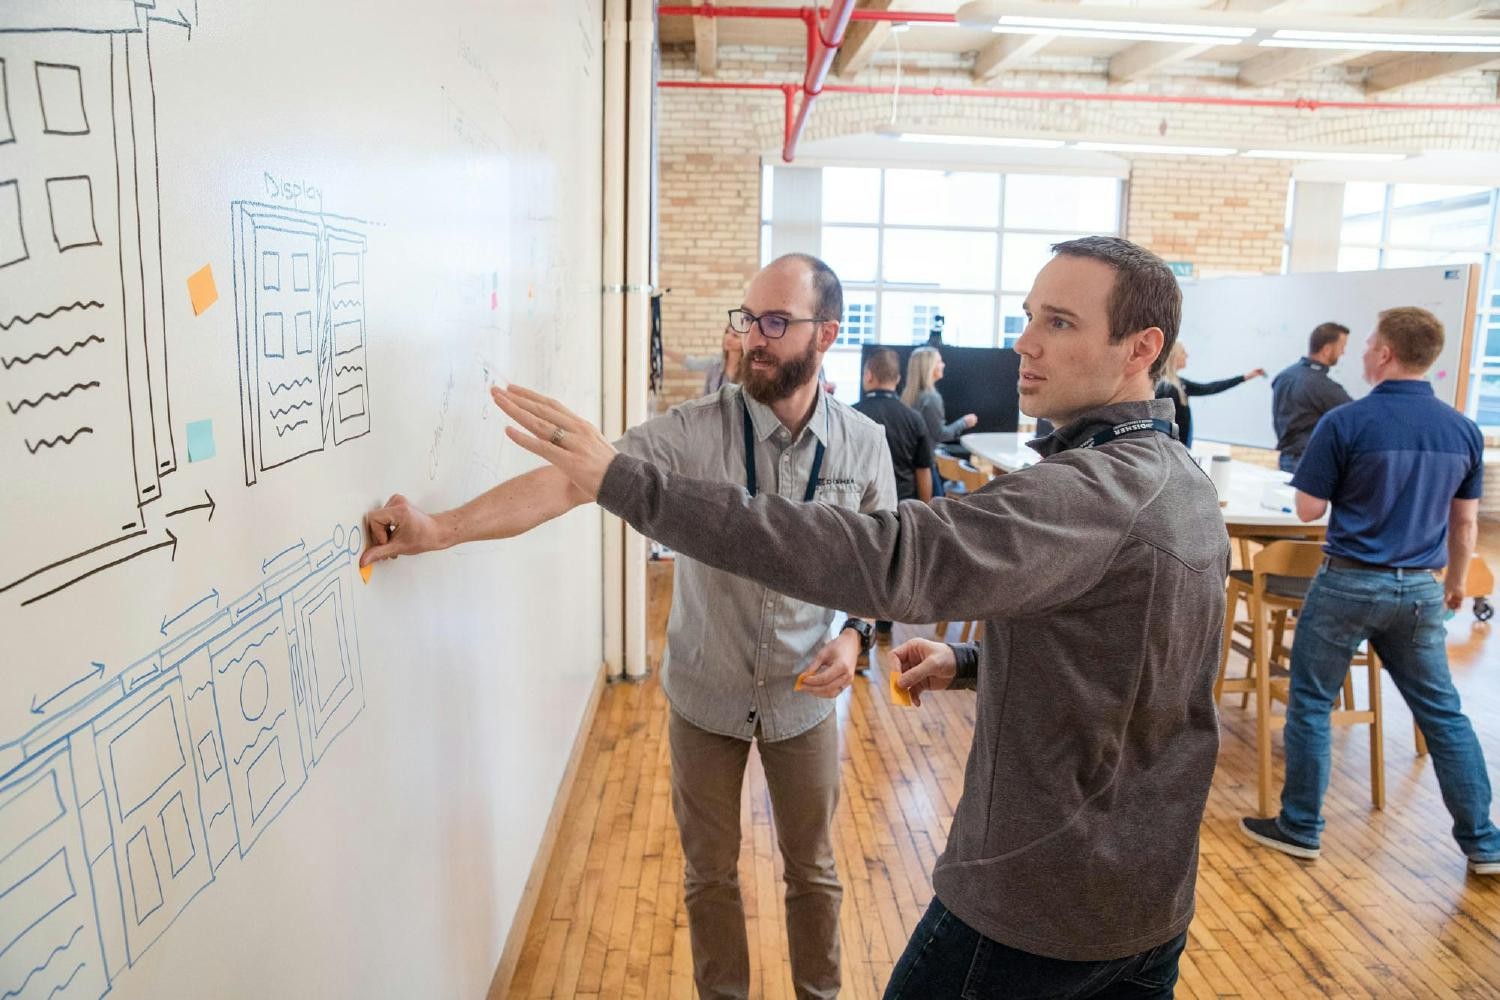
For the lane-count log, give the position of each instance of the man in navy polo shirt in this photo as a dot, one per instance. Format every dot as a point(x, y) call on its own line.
point(1403, 473)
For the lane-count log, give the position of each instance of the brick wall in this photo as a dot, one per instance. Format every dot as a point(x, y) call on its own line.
point(1226, 215)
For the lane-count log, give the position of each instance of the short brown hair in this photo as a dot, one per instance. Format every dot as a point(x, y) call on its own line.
point(1145, 293)
point(1324, 334)
point(1415, 336)
point(884, 366)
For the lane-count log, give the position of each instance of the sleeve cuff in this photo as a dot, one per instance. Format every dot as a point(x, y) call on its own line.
point(966, 655)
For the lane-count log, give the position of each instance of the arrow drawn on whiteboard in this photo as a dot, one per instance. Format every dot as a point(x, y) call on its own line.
point(266, 564)
point(197, 506)
point(171, 540)
point(93, 674)
point(211, 596)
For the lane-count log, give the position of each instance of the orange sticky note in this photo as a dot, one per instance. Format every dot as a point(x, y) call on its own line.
point(899, 694)
point(202, 290)
point(365, 571)
point(798, 686)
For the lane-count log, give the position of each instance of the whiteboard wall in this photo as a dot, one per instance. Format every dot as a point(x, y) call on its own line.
point(229, 767)
point(1234, 325)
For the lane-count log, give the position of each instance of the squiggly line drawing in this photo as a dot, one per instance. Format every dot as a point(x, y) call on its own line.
point(17, 407)
point(263, 731)
point(284, 431)
point(55, 952)
point(6, 324)
point(69, 982)
point(289, 409)
point(92, 338)
point(341, 303)
point(246, 653)
point(279, 386)
point(60, 439)
point(193, 694)
point(219, 813)
point(348, 368)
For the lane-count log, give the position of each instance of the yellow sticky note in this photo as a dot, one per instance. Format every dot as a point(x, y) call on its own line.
point(202, 290)
point(899, 694)
point(365, 571)
point(798, 686)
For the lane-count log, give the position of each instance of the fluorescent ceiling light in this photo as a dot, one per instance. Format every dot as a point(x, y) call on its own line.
point(1310, 154)
point(1146, 147)
point(1143, 31)
point(1093, 24)
point(1292, 38)
point(1110, 36)
point(979, 140)
point(1354, 45)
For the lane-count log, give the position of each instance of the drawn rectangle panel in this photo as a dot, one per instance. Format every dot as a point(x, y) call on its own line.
point(254, 698)
point(84, 415)
point(12, 235)
point(352, 403)
point(28, 812)
point(347, 250)
point(273, 335)
point(154, 799)
point(145, 756)
point(37, 895)
point(333, 692)
point(7, 132)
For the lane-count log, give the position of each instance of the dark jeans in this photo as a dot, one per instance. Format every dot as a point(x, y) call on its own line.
point(946, 958)
point(1288, 462)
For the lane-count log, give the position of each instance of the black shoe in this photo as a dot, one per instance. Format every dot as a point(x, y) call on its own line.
point(1266, 833)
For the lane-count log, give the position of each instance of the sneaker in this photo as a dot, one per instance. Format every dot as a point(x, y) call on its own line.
point(1485, 867)
point(1266, 833)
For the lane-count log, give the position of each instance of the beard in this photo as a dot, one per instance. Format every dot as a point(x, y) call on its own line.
point(783, 380)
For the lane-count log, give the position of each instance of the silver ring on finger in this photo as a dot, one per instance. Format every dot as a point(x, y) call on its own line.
point(557, 437)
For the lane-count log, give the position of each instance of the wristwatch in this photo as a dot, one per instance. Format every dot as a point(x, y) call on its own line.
point(866, 632)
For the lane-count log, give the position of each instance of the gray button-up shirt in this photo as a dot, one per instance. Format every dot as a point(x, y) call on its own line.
point(734, 648)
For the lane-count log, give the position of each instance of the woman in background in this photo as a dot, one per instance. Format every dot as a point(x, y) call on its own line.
point(717, 371)
point(923, 370)
point(1176, 388)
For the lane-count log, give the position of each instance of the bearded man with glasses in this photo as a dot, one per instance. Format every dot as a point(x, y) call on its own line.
point(743, 662)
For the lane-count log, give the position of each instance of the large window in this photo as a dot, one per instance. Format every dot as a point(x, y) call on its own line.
point(1414, 225)
point(911, 244)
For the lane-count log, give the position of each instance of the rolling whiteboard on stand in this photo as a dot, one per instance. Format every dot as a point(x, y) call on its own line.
point(258, 263)
point(1233, 325)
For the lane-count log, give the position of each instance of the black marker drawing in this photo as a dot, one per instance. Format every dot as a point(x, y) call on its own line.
point(83, 355)
point(133, 786)
point(299, 289)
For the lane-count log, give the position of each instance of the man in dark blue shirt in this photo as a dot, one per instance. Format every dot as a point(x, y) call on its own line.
point(905, 431)
point(1302, 393)
point(1403, 473)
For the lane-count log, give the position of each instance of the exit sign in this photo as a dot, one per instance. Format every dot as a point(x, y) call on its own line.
point(1181, 268)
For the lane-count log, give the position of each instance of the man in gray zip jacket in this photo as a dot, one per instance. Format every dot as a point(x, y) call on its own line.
point(1099, 572)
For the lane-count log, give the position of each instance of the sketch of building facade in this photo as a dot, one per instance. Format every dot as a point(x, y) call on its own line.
point(85, 428)
point(119, 805)
point(300, 309)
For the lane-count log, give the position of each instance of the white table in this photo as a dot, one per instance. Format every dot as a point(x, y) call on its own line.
point(1244, 514)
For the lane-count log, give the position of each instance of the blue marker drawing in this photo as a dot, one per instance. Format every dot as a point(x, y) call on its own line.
point(137, 783)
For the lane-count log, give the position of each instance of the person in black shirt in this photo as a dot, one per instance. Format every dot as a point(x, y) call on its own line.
point(905, 431)
point(1176, 388)
point(1302, 393)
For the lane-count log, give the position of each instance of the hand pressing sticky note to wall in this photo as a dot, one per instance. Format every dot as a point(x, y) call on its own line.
point(899, 694)
point(365, 571)
point(200, 440)
point(202, 290)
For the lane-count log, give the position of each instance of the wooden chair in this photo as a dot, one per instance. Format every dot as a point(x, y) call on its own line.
point(973, 479)
point(949, 468)
point(1278, 580)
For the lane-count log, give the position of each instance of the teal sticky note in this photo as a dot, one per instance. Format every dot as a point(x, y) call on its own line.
point(200, 440)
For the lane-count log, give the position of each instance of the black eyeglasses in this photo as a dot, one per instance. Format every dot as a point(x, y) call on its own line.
point(773, 327)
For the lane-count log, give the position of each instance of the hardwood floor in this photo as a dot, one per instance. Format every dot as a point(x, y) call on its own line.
point(1388, 911)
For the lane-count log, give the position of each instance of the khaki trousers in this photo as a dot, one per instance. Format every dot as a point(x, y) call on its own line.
point(802, 774)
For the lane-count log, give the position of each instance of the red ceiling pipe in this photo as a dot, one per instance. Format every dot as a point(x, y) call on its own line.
point(1297, 103)
point(794, 13)
point(821, 48)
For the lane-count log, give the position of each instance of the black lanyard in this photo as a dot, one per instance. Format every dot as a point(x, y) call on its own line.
point(1131, 427)
point(812, 480)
